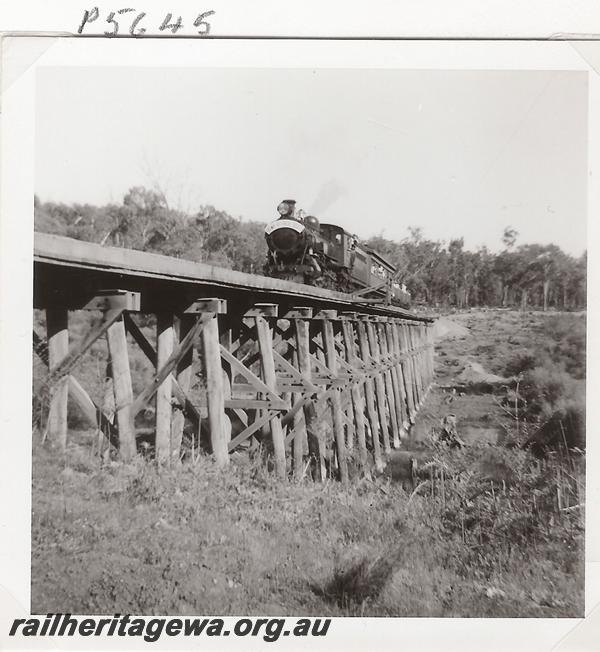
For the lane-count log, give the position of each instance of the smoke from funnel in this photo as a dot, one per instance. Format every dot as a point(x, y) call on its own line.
point(329, 193)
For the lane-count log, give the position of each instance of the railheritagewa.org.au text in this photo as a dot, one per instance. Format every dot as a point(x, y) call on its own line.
point(151, 629)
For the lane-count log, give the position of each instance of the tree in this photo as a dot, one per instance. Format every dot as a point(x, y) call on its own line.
point(509, 237)
point(239, 245)
point(143, 216)
point(435, 273)
point(459, 271)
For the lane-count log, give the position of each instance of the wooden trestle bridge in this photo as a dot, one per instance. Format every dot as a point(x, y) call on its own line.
point(319, 378)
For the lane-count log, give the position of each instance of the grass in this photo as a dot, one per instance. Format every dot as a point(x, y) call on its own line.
point(479, 531)
point(195, 540)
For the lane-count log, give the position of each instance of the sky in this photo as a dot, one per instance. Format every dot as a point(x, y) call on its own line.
point(456, 153)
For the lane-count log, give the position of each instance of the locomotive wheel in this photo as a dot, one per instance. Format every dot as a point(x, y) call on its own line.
point(327, 280)
point(344, 281)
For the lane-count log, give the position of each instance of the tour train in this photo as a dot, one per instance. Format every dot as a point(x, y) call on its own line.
point(303, 250)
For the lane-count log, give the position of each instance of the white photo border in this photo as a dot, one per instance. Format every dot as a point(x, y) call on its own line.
point(22, 58)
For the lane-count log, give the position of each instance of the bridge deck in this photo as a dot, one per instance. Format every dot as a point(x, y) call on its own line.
point(68, 270)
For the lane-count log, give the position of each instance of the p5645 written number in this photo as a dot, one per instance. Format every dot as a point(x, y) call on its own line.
point(129, 21)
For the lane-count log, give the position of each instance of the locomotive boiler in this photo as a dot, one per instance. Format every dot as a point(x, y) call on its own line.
point(303, 250)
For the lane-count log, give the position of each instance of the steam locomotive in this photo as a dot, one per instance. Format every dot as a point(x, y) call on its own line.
point(303, 250)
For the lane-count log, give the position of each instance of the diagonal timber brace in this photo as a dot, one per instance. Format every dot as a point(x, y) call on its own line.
point(93, 412)
point(173, 360)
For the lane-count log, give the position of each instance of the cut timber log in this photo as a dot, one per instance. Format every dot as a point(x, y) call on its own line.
point(121, 376)
point(265, 343)
point(219, 432)
point(57, 326)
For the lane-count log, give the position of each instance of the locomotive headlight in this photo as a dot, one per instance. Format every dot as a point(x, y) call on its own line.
point(283, 208)
point(286, 208)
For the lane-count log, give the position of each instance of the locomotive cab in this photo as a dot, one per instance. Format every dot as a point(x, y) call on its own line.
point(337, 244)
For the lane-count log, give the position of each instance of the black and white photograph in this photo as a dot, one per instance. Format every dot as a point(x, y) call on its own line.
point(309, 335)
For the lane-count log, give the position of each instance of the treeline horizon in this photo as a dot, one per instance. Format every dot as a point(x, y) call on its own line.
point(436, 273)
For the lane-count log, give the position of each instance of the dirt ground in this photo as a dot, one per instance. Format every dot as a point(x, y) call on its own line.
point(467, 355)
point(472, 351)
